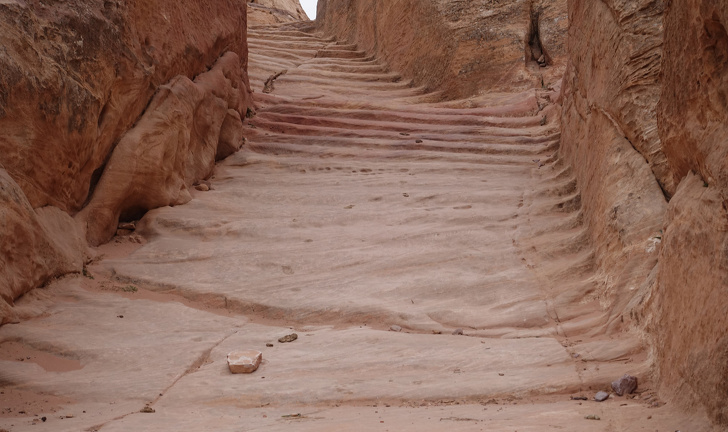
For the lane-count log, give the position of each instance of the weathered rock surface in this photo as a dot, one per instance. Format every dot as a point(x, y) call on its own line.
point(608, 133)
point(35, 245)
point(355, 206)
point(266, 12)
point(174, 144)
point(75, 77)
point(692, 296)
point(244, 362)
point(691, 299)
point(625, 385)
point(458, 47)
point(645, 105)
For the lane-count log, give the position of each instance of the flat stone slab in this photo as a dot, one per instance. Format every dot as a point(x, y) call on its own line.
point(244, 362)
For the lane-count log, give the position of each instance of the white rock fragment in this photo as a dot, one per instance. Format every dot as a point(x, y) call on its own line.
point(244, 361)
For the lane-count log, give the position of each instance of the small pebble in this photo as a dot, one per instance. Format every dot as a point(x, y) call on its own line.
point(395, 328)
point(288, 338)
point(458, 332)
point(601, 396)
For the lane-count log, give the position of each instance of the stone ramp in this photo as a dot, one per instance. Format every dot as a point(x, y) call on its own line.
point(359, 202)
point(356, 202)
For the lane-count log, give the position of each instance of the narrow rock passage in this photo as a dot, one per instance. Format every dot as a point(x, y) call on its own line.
point(354, 204)
point(359, 203)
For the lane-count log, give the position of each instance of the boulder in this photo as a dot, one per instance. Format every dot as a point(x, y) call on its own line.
point(172, 146)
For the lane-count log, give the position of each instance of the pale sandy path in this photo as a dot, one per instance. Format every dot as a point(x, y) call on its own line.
point(357, 204)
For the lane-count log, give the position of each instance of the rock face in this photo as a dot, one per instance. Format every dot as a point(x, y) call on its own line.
point(76, 77)
point(174, 144)
point(609, 135)
point(267, 12)
point(645, 109)
point(459, 47)
point(34, 245)
point(692, 298)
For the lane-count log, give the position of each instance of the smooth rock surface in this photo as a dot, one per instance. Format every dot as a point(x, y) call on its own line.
point(601, 396)
point(173, 145)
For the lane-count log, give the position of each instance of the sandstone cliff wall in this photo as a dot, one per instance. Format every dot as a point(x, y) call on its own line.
point(78, 82)
point(644, 127)
point(458, 47)
point(609, 136)
point(691, 305)
point(645, 105)
point(268, 12)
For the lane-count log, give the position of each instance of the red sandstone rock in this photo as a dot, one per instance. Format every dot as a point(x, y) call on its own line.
point(266, 12)
point(68, 101)
point(691, 301)
point(34, 245)
point(647, 82)
point(244, 362)
point(459, 48)
point(173, 145)
point(609, 137)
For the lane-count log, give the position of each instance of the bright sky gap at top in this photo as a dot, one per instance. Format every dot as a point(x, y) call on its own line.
point(310, 7)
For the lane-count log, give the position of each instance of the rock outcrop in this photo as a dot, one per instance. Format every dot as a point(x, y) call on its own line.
point(35, 245)
point(458, 47)
point(77, 79)
point(645, 105)
point(691, 303)
point(609, 134)
point(174, 144)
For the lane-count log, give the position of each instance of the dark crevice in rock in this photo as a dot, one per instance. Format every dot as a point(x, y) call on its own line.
point(535, 51)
